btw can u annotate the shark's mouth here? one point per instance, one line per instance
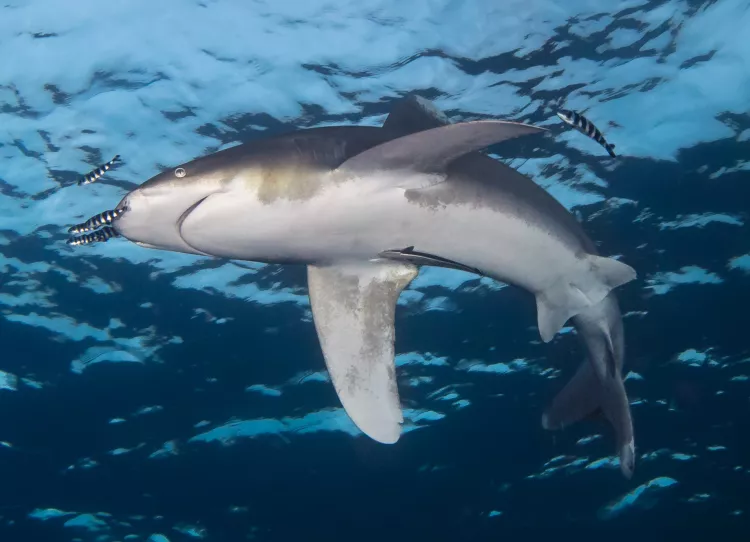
(100, 225)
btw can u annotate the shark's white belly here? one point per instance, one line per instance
(353, 222)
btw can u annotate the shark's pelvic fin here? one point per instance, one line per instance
(430, 151)
(583, 396)
(353, 308)
(565, 299)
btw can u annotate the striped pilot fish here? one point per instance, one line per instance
(96, 221)
(585, 126)
(99, 236)
(94, 175)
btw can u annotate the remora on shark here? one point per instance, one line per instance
(363, 208)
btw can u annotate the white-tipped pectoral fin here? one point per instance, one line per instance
(354, 308)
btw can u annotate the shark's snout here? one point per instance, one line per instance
(151, 216)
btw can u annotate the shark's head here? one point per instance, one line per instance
(151, 214)
(566, 116)
(287, 165)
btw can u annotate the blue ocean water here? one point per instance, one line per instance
(150, 395)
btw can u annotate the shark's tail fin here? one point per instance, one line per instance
(597, 386)
(585, 396)
(568, 297)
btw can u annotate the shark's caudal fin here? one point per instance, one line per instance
(353, 309)
(565, 299)
(430, 151)
(598, 385)
(583, 396)
(580, 397)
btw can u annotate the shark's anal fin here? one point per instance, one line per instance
(430, 151)
(410, 255)
(353, 307)
(583, 396)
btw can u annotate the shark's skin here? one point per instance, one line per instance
(598, 385)
(354, 204)
(258, 204)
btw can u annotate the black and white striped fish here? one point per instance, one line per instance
(96, 221)
(99, 236)
(585, 126)
(98, 172)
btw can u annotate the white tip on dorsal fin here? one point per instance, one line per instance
(430, 151)
(353, 309)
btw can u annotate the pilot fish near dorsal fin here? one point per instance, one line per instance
(430, 151)
(586, 127)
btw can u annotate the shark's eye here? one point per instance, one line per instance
(180, 172)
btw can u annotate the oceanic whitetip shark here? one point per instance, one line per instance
(363, 208)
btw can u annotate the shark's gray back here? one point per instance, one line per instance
(478, 177)
(514, 191)
(322, 149)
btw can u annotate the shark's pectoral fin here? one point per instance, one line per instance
(430, 151)
(583, 397)
(354, 309)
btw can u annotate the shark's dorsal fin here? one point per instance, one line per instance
(414, 114)
(353, 307)
(430, 151)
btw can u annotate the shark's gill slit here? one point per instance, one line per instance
(187, 212)
(97, 221)
(99, 236)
